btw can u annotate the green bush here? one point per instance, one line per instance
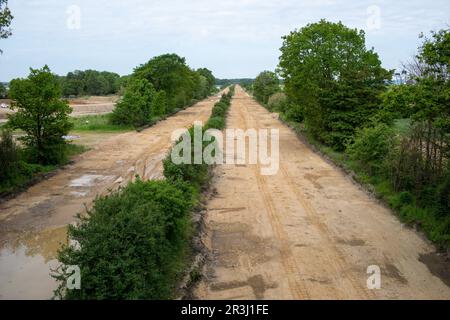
(136, 106)
(277, 102)
(9, 156)
(130, 244)
(15, 171)
(215, 123)
(370, 147)
(219, 110)
(265, 85)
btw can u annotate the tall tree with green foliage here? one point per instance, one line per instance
(265, 85)
(210, 81)
(90, 82)
(5, 20)
(334, 79)
(135, 108)
(169, 72)
(41, 114)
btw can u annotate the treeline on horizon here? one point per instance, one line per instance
(227, 82)
(394, 137)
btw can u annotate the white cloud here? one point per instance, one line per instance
(232, 37)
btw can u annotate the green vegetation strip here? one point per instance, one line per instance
(135, 242)
(430, 218)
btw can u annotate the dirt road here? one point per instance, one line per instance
(307, 232)
(33, 225)
(81, 107)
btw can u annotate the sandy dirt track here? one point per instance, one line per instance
(81, 107)
(33, 225)
(307, 232)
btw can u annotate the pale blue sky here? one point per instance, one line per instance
(233, 38)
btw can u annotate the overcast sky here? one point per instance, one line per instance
(233, 38)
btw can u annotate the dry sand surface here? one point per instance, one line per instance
(80, 106)
(33, 225)
(307, 232)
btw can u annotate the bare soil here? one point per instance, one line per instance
(307, 232)
(81, 106)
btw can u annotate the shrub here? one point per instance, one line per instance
(215, 123)
(9, 156)
(219, 109)
(265, 85)
(159, 104)
(136, 106)
(277, 102)
(370, 147)
(130, 244)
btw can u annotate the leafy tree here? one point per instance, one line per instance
(371, 146)
(210, 81)
(41, 114)
(90, 82)
(265, 85)
(334, 78)
(170, 73)
(159, 104)
(5, 20)
(397, 101)
(136, 106)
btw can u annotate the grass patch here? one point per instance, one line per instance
(100, 122)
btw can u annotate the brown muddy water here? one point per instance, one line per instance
(26, 264)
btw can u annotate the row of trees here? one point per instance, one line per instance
(155, 90)
(90, 82)
(160, 87)
(345, 99)
(244, 82)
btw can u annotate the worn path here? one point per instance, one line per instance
(307, 232)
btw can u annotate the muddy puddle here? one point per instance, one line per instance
(26, 264)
